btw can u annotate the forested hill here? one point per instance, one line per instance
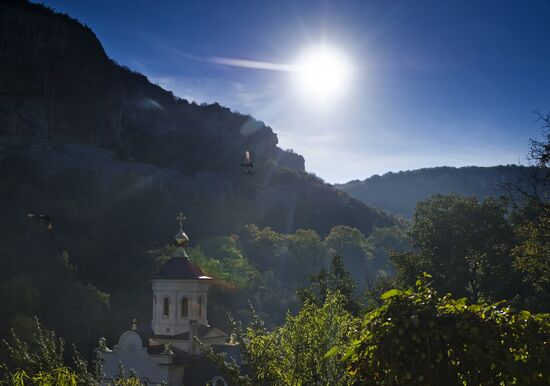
(400, 192)
(57, 82)
(112, 159)
(59, 90)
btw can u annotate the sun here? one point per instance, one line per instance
(322, 74)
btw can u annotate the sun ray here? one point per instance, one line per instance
(254, 64)
(321, 74)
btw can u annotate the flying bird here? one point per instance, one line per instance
(46, 219)
(248, 164)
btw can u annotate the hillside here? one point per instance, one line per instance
(59, 88)
(112, 158)
(400, 192)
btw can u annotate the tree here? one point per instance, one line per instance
(295, 353)
(264, 248)
(352, 246)
(539, 150)
(532, 224)
(534, 190)
(306, 253)
(221, 258)
(42, 357)
(382, 242)
(532, 255)
(335, 279)
(58, 377)
(420, 338)
(284, 262)
(19, 298)
(464, 243)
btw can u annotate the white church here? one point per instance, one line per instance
(166, 352)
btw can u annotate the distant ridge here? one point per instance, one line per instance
(399, 192)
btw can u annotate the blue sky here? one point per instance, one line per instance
(434, 82)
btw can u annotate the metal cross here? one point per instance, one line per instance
(180, 219)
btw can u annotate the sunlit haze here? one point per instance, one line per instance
(356, 87)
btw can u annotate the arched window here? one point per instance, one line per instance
(166, 307)
(200, 306)
(218, 381)
(184, 307)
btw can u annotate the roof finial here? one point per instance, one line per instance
(181, 238)
(180, 219)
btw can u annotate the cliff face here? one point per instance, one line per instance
(60, 93)
(51, 68)
(57, 82)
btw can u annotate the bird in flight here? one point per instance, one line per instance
(248, 164)
(46, 219)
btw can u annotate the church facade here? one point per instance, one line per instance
(166, 352)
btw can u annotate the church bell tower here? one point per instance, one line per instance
(180, 292)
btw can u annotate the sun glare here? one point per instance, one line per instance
(322, 74)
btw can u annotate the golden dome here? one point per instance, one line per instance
(181, 238)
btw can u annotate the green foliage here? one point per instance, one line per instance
(296, 353)
(52, 288)
(41, 360)
(464, 243)
(384, 241)
(336, 279)
(57, 377)
(352, 246)
(229, 368)
(265, 248)
(267, 267)
(19, 298)
(531, 220)
(420, 338)
(372, 296)
(64, 376)
(532, 258)
(124, 379)
(225, 262)
(105, 220)
(218, 257)
(306, 252)
(285, 262)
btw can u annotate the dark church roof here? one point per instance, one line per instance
(180, 268)
(146, 332)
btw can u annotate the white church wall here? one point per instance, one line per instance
(134, 357)
(175, 323)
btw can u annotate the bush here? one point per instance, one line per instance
(419, 338)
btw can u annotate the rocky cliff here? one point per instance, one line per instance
(60, 94)
(57, 82)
